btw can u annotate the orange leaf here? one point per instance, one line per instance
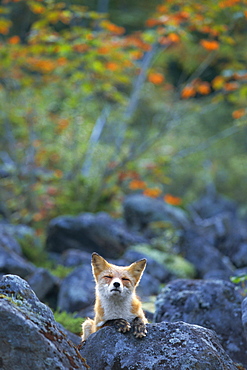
(137, 185)
(118, 30)
(180, 17)
(37, 8)
(210, 30)
(152, 192)
(80, 48)
(164, 40)
(162, 9)
(171, 199)
(210, 44)
(151, 22)
(104, 50)
(240, 76)
(228, 3)
(63, 123)
(5, 26)
(113, 27)
(173, 37)
(89, 37)
(44, 66)
(112, 66)
(136, 54)
(239, 113)
(156, 78)
(188, 92)
(62, 61)
(10, 1)
(204, 88)
(136, 42)
(231, 86)
(14, 40)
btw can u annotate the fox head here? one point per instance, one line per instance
(115, 280)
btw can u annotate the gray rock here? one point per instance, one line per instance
(244, 316)
(42, 282)
(212, 204)
(215, 305)
(90, 233)
(240, 257)
(74, 257)
(29, 335)
(149, 286)
(155, 269)
(217, 275)
(13, 263)
(216, 219)
(242, 284)
(75, 339)
(233, 241)
(77, 290)
(7, 241)
(170, 346)
(11, 258)
(204, 256)
(140, 211)
(22, 233)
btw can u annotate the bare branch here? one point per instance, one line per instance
(207, 143)
(135, 94)
(94, 138)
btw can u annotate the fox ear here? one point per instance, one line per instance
(98, 264)
(137, 268)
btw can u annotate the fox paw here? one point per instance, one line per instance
(120, 324)
(139, 328)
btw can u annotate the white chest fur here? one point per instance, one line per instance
(117, 306)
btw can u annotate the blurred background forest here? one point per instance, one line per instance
(102, 98)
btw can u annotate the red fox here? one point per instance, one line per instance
(116, 301)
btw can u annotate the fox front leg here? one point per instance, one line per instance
(120, 324)
(139, 328)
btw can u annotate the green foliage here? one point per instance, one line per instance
(34, 251)
(58, 270)
(241, 281)
(161, 249)
(162, 253)
(39, 257)
(87, 106)
(69, 321)
(150, 304)
(35, 254)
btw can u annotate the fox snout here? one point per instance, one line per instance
(116, 286)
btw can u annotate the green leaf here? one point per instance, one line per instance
(238, 279)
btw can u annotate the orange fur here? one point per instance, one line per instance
(116, 297)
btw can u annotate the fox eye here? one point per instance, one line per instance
(108, 277)
(125, 279)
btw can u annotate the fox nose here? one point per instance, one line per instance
(116, 284)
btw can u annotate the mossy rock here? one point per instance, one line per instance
(176, 264)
